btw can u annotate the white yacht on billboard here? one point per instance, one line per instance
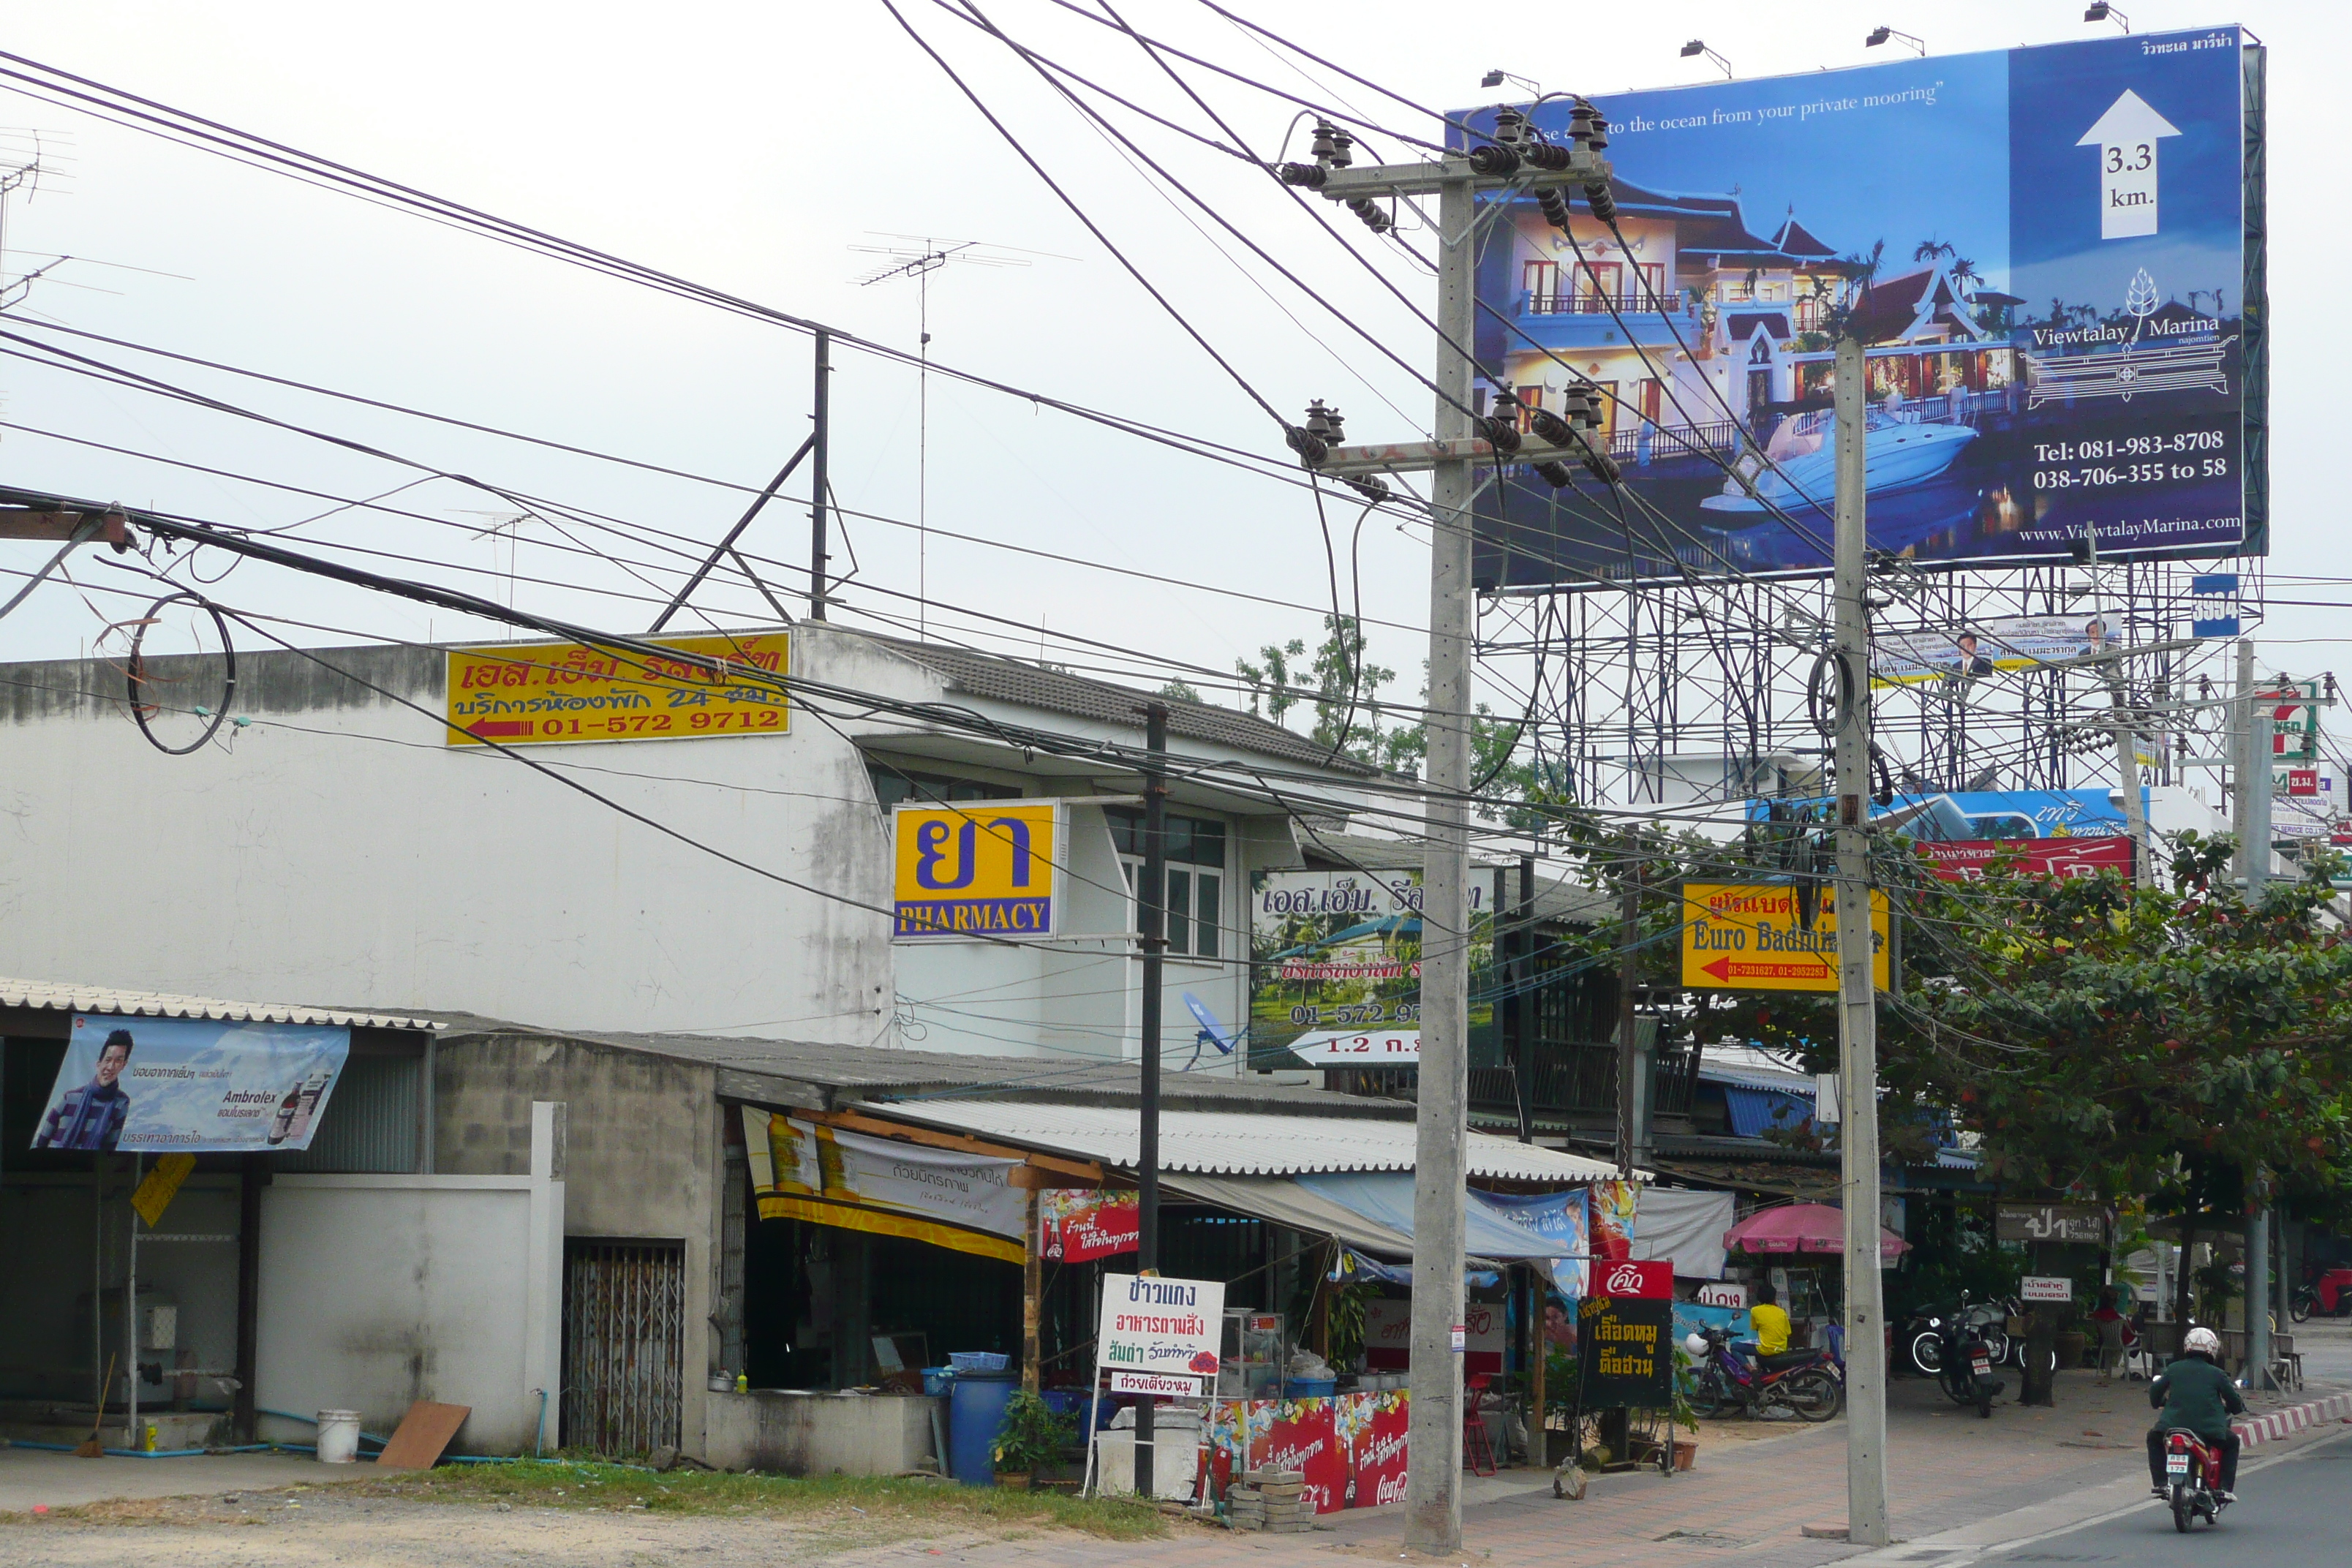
(1799, 464)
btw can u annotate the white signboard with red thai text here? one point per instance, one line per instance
(1165, 1328)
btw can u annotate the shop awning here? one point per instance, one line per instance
(1240, 1142)
(1371, 1212)
(1284, 1202)
(51, 997)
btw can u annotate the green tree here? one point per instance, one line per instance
(2117, 1040)
(1269, 680)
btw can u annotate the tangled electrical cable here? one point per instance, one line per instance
(136, 680)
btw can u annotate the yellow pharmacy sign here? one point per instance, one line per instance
(541, 694)
(1747, 937)
(976, 867)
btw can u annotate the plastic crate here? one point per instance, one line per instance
(977, 1361)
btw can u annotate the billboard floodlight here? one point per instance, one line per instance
(1497, 77)
(1697, 46)
(1880, 35)
(2100, 11)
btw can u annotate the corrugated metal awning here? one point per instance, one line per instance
(1238, 1144)
(46, 995)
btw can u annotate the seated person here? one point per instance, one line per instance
(2195, 1393)
(1770, 1322)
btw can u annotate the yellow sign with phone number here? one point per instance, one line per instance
(541, 694)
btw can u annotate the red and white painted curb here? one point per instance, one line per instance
(2295, 1418)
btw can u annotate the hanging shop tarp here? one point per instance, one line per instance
(1563, 1220)
(805, 1170)
(1533, 1230)
(1685, 1229)
(191, 1084)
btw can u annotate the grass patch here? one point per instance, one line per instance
(849, 1504)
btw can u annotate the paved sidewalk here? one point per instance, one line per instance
(35, 1477)
(1745, 1503)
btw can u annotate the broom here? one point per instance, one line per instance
(91, 1447)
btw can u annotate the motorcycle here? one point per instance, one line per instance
(1924, 1335)
(2329, 1292)
(1806, 1382)
(1967, 1362)
(2193, 1475)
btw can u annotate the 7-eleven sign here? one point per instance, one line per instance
(2294, 718)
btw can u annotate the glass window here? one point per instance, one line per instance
(1179, 909)
(1191, 840)
(1205, 913)
(893, 784)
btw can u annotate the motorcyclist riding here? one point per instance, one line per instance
(2195, 1394)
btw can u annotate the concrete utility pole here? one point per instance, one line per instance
(1434, 1481)
(1866, 1329)
(1633, 1095)
(1434, 1485)
(821, 444)
(2127, 769)
(2252, 812)
(1152, 922)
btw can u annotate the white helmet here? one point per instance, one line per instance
(2202, 1341)
(1696, 1343)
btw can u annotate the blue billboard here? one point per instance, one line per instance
(2044, 252)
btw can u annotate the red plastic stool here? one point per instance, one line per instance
(1477, 1453)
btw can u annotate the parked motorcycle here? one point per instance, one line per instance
(1967, 1363)
(2193, 1475)
(1806, 1382)
(2329, 1292)
(1924, 1335)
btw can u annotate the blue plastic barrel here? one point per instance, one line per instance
(975, 1412)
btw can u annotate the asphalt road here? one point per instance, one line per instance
(2290, 1513)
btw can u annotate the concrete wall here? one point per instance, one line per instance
(338, 851)
(643, 1157)
(378, 1290)
(821, 1434)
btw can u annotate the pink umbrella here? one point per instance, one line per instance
(1802, 1227)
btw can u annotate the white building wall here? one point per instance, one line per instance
(336, 851)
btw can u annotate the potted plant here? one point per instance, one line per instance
(1029, 1439)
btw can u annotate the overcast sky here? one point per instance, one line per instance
(755, 148)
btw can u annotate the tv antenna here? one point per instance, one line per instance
(918, 255)
(25, 159)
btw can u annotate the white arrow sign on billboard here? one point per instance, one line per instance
(2125, 136)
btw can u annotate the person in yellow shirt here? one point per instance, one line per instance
(1771, 1323)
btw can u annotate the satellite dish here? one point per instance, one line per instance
(1217, 1034)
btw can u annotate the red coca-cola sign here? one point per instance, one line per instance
(1652, 1281)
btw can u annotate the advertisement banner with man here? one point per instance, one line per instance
(2044, 253)
(807, 1170)
(191, 1084)
(1978, 648)
(1335, 967)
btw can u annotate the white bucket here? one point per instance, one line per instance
(338, 1437)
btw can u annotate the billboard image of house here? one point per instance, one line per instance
(2044, 252)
